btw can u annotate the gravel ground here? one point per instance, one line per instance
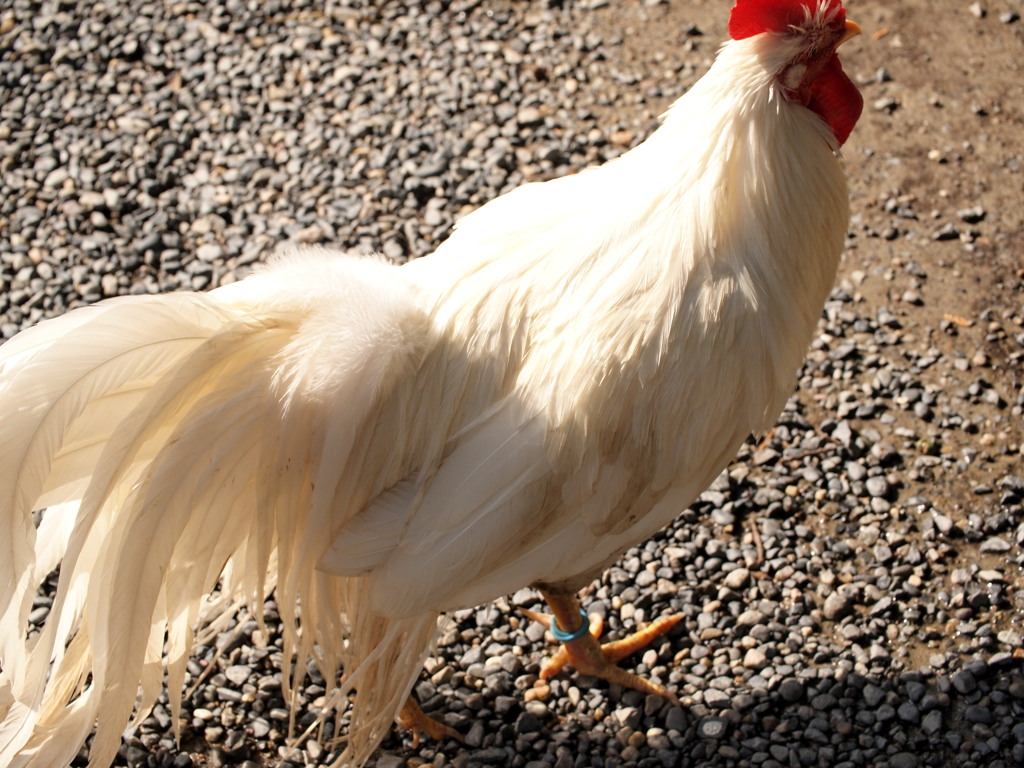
(876, 617)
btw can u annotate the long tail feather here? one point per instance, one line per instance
(193, 445)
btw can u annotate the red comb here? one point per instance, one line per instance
(752, 17)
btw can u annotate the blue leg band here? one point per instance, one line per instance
(565, 637)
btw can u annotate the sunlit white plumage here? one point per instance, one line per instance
(381, 444)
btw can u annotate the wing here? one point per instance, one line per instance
(423, 540)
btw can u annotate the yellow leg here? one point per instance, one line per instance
(589, 656)
(412, 718)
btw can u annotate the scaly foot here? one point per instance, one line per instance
(586, 654)
(412, 719)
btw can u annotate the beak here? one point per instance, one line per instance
(851, 30)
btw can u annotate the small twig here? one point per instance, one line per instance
(767, 439)
(808, 452)
(758, 544)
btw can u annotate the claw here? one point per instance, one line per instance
(414, 720)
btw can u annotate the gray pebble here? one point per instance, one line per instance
(527, 723)
(877, 486)
(675, 720)
(975, 713)
(904, 760)
(737, 578)
(840, 603)
(791, 690)
(873, 695)
(712, 728)
(716, 699)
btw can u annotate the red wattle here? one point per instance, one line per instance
(834, 96)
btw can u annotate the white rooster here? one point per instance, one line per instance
(382, 444)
